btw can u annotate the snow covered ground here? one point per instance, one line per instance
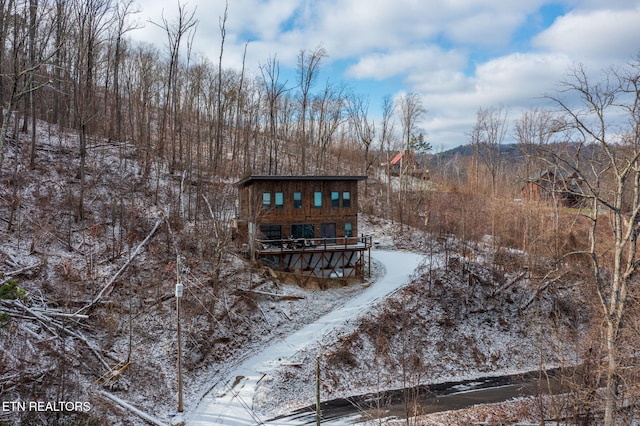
(262, 348)
(232, 403)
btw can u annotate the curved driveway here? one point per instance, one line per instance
(230, 401)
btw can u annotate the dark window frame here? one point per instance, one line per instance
(348, 233)
(271, 231)
(297, 203)
(303, 230)
(266, 200)
(281, 196)
(335, 199)
(346, 199)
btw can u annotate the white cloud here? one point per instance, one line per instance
(594, 36)
(517, 81)
(426, 46)
(520, 77)
(423, 61)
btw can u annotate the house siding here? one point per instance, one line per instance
(251, 208)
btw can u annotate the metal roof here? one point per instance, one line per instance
(250, 179)
(397, 158)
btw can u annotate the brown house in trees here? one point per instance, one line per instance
(305, 224)
(544, 185)
(406, 163)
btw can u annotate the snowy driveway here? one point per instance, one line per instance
(230, 402)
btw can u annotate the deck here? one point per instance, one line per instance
(338, 257)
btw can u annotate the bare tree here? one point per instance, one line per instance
(274, 89)
(308, 65)
(240, 106)
(175, 33)
(92, 19)
(327, 113)
(533, 129)
(604, 155)
(487, 137)
(363, 127)
(22, 80)
(33, 30)
(386, 145)
(122, 12)
(142, 83)
(60, 103)
(223, 33)
(411, 113)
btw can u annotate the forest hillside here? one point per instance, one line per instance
(117, 169)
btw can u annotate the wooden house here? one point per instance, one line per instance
(547, 184)
(302, 223)
(406, 163)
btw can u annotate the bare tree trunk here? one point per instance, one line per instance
(240, 121)
(218, 153)
(33, 12)
(609, 177)
(122, 12)
(308, 65)
(174, 33)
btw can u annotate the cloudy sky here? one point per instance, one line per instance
(459, 55)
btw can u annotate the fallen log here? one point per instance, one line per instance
(509, 284)
(52, 313)
(121, 270)
(9, 275)
(133, 409)
(48, 322)
(274, 295)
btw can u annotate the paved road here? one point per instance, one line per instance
(229, 402)
(435, 398)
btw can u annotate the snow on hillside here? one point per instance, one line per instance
(449, 321)
(458, 321)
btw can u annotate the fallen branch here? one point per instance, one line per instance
(114, 372)
(538, 292)
(509, 284)
(51, 313)
(9, 275)
(133, 409)
(49, 322)
(274, 295)
(12, 260)
(121, 270)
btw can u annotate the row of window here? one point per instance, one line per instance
(306, 231)
(337, 200)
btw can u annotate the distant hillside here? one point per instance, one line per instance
(510, 152)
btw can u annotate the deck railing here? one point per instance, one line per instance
(302, 244)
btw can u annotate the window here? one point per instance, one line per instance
(279, 200)
(335, 200)
(266, 200)
(306, 231)
(348, 230)
(297, 200)
(346, 199)
(271, 232)
(317, 199)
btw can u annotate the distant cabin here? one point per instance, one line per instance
(304, 224)
(545, 184)
(406, 163)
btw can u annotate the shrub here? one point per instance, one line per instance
(11, 291)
